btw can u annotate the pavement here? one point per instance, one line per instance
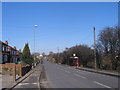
(111, 73)
(107, 72)
(7, 80)
(0, 81)
(59, 76)
(31, 80)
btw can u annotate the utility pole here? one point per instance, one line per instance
(95, 47)
(58, 54)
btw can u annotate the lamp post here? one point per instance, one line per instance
(95, 47)
(34, 43)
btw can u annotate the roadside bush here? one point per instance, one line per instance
(118, 66)
(118, 69)
(26, 55)
(90, 65)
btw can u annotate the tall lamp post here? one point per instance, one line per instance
(95, 47)
(34, 43)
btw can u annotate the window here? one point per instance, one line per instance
(6, 48)
(14, 60)
(5, 58)
(11, 52)
(3, 48)
(14, 52)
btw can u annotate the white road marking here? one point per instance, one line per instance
(33, 83)
(64, 70)
(38, 84)
(80, 76)
(20, 84)
(102, 84)
(80, 72)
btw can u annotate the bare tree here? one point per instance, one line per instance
(108, 46)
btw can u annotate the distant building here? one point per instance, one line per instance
(9, 54)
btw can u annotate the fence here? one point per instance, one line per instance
(15, 69)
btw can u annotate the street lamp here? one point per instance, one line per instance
(34, 43)
(35, 25)
(95, 48)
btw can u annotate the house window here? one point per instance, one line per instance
(14, 52)
(3, 48)
(5, 58)
(11, 51)
(6, 48)
(11, 60)
(14, 60)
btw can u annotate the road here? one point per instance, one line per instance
(60, 76)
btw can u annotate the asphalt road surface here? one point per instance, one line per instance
(60, 76)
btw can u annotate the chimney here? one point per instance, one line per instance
(20, 50)
(6, 42)
(15, 47)
(8, 48)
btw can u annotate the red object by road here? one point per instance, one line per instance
(74, 61)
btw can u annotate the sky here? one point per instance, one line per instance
(60, 0)
(60, 24)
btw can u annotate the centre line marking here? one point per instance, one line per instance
(80, 76)
(102, 84)
(65, 70)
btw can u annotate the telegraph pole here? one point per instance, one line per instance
(58, 54)
(95, 47)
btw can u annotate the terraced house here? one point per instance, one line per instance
(9, 54)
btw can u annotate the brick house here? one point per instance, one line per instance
(9, 54)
